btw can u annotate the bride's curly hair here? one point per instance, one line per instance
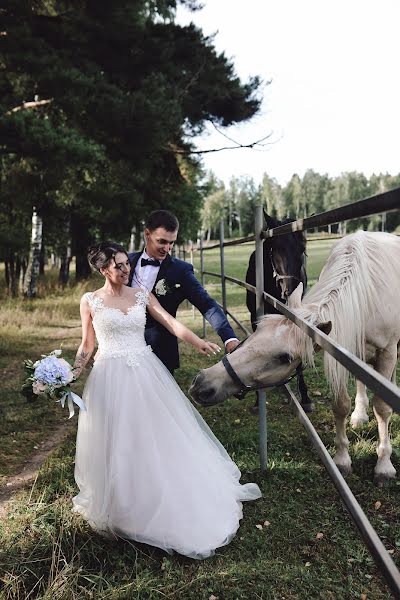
(100, 255)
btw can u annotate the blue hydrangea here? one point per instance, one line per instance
(51, 371)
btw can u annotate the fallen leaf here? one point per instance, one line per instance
(317, 393)
(377, 505)
(36, 447)
(363, 597)
(266, 523)
(259, 526)
(307, 564)
(391, 551)
(212, 597)
(236, 421)
(298, 490)
(319, 536)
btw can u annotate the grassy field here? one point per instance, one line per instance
(297, 542)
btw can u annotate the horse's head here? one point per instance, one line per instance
(287, 256)
(267, 358)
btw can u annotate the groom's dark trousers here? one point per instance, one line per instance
(181, 284)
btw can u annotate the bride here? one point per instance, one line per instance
(147, 466)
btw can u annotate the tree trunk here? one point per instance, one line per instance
(24, 267)
(66, 253)
(11, 280)
(81, 240)
(82, 267)
(32, 273)
(42, 259)
(132, 241)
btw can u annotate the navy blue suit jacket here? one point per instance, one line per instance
(175, 271)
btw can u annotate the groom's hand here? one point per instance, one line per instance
(232, 345)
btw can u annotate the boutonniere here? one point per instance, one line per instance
(163, 287)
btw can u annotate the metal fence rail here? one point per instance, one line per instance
(387, 201)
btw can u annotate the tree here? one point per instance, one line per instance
(214, 206)
(294, 198)
(100, 97)
(272, 197)
(249, 196)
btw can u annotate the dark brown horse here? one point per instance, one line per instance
(284, 269)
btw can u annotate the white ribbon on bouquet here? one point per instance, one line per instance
(71, 397)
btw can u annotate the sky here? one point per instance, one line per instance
(333, 104)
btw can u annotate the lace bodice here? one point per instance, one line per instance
(120, 334)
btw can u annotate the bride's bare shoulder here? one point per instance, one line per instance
(93, 294)
(131, 292)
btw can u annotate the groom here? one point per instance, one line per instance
(172, 280)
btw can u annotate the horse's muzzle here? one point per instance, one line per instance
(202, 391)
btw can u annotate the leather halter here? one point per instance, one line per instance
(244, 389)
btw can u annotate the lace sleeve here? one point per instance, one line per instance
(142, 297)
(93, 301)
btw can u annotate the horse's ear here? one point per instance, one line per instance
(325, 328)
(270, 221)
(294, 300)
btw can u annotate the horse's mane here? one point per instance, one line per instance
(347, 295)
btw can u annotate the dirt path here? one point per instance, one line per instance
(29, 473)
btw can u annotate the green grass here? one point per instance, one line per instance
(236, 259)
(48, 552)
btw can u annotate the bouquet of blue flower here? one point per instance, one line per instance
(51, 376)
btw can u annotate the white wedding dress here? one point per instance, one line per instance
(147, 466)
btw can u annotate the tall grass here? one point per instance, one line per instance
(297, 542)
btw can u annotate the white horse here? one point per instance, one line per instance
(356, 300)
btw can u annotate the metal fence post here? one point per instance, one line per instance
(202, 276)
(262, 409)
(192, 263)
(222, 263)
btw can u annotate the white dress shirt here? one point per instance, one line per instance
(144, 277)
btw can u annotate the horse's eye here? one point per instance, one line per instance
(283, 358)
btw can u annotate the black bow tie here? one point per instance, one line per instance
(152, 262)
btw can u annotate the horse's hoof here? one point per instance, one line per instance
(344, 468)
(381, 480)
(308, 408)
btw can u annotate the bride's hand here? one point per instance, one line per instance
(208, 348)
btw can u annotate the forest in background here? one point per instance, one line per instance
(300, 198)
(99, 105)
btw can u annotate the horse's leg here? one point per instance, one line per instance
(306, 401)
(384, 470)
(359, 415)
(341, 409)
